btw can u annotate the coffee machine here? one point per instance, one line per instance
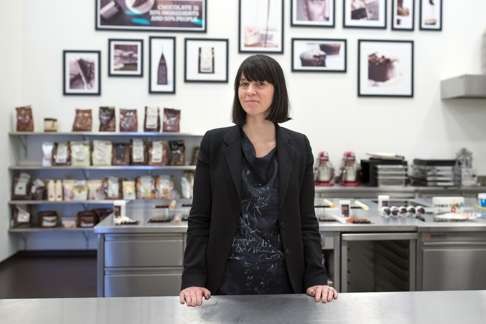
(324, 170)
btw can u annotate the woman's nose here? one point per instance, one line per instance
(251, 88)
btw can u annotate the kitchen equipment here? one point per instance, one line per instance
(433, 173)
(349, 170)
(464, 168)
(324, 170)
(383, 171)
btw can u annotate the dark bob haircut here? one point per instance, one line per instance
(263, 68)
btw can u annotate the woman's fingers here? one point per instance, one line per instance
(206, 293)
(318, 294)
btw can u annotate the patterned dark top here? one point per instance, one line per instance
(256, 264)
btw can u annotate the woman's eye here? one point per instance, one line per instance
(260, 84)
(244, 84)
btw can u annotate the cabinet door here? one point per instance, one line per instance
(142, 282)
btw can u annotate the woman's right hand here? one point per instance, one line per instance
(193, 296)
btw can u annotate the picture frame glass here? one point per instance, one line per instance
(261, 26)
(319, 55)
(82, 72)
(126, 57)
(431, 14)
(313, 13)
(206, 60)
(403, 14)
(162, 65)
(386, 68)
(365, 13)
(151, 15)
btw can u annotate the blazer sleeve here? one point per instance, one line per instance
(315, 272)
(195, 267)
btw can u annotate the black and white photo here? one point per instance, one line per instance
(81, 72)
(205, 60)
(261, 28)
(385, 68)
(319, 55)
(431, 15)
(162, 65)
(313, 13)
(125, 57)
(365, 14)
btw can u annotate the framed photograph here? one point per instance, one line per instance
(319, 55)
(125, 57)
(162, 65)
(403, 15)
(206, 60)
(81, 73)
(385, 68)
(151, 15)
(430, 15)
(260, 26)
(312, 13)
(364, 14)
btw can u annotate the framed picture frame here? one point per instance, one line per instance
(371, 14)
(206, 60)
(260, 26)
(385, 68)
(151, 15)
(162, 65)
(403, 15)
(431, 15)
(125, 57)
(319, 55)
(313, 13)
(81, 73)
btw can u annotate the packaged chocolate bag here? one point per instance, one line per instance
(50, 125)
(172, 119)
(96, 190)
(83, 121)
(38, 190)
(107, 119)
(21, 187)
(129, 191)
(49, 218)
(121, 154)
(158, 153)
(61, 154)
(22, 216)
(177, 152)
(128, 120)
(86, 219)
(152, 119)
(80, 153)
(101, 154)
(25, 119)
(139, 152)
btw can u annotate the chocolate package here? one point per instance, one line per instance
(96, 190)
(80, 153)
(86, 219)
(80, 190)
(49, 219)
(187, 185)
(61, 154)
(139, 152)
(145, 187)
(107, 119)
(47, 149)
(38, 191)
(121, 154)
(101, 154)
(22, 216)
(172, 119)
(21, 187)
(25, 119)
(128, 120)
(50, 125)
(129, 189)
(164, 187)
(177, 152)
(158, 153)
(83, 120)
(152, 119)
(112, 188)
(67, 189)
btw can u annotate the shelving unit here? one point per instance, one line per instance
(28, 158)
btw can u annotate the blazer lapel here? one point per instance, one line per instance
(285, 158)
(232, 154)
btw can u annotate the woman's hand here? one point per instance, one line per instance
(322, 293)
(193, 296)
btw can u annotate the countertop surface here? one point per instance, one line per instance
(465, 307)
(378, 223)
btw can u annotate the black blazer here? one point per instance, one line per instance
(215, 212)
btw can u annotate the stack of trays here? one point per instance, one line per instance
(391, 175)
(434, 173)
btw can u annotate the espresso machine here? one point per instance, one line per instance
(324, 170)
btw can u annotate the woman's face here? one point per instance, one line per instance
(255, 96)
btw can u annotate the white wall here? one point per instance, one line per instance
(10, 95)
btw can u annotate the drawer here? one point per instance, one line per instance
(133, 283)
(144, 250)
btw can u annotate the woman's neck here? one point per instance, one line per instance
(259, 129)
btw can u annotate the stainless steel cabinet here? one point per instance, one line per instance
(452, 261)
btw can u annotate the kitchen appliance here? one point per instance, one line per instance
(349, 170)
(384, 172)
(324, 170)
(464, 168)
(433, 173)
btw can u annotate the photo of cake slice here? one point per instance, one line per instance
(330, 48)
(313, 57)
(380, 68)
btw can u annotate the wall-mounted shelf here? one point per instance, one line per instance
(54, 229)
(105, 134)
(472, 86)
(63, 202)
(107, 168)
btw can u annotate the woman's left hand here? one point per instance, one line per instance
(322, 293)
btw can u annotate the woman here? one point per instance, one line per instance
(252, 227)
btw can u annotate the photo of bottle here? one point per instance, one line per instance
(162, 71)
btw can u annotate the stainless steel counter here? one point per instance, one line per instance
(465, 307)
